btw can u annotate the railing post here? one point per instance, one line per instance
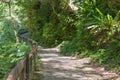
(27, 67)
(35, 56)
(24, 74)
(22, 70)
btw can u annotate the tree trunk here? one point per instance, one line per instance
(13, 24)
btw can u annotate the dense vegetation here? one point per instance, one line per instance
(98, 30)
(93, 30)
(49, 21)
(10, 50)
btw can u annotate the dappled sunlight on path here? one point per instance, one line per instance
(58, 67)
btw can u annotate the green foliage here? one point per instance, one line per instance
(10, 54)
(98, 30)
(10, 51)
(93, 30)
(50, 20)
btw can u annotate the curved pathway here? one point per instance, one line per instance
(58, 67)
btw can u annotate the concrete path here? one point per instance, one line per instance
(58, 67)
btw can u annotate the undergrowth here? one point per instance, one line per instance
(97, 34)
(10, 51)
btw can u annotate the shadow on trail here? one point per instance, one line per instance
(57, 67)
